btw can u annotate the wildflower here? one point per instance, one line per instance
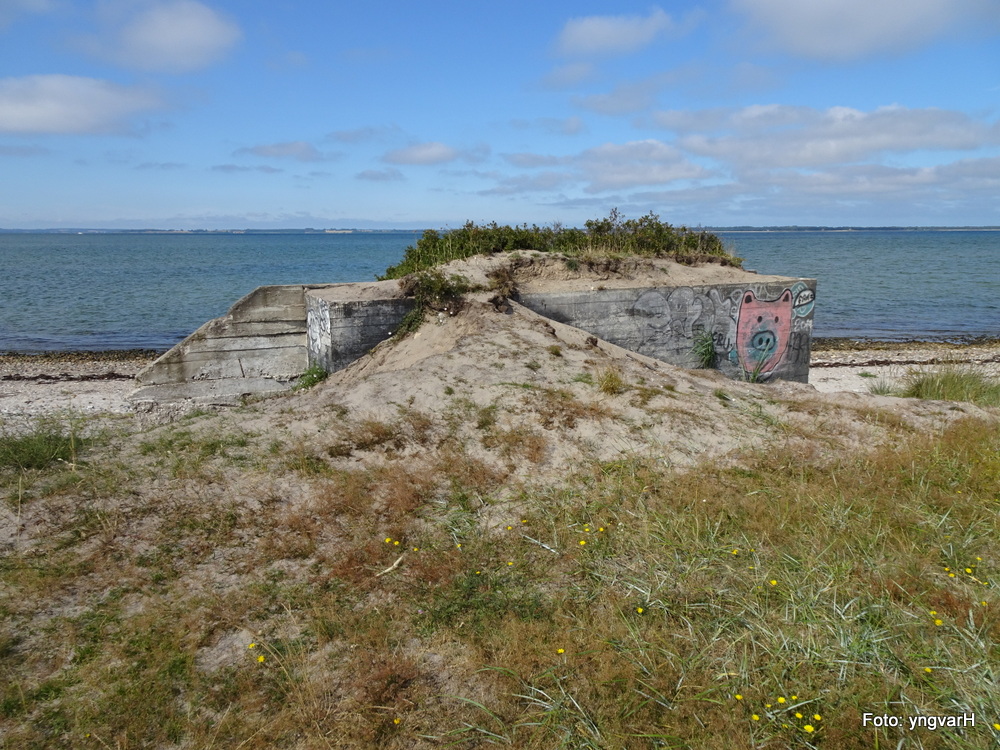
(396, 542)
(767, 705)
(809, 728)
(560, 651)
(640, 610)
(798, 715)
(388, 539)
(396, 720)
(781, 700)
(983, 603)
(928, 670)
(586, 528)
(478, 572)
(601, 528)
(933, 613)
(968, 570)
(524, 520)
(755, 717)
(583, 542)
(739, 697)
(736, 552)
(416, 549)
(252, 645)
(260, 659)
(773, 582)
(509, 528)
(510, 563)
(795, 697)
(939, 622)
(996, 726)
(817, 717)
(458, 544)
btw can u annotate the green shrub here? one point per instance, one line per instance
(613, 236)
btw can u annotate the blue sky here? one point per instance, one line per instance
(224, 114)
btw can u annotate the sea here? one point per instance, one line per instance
(108, 291)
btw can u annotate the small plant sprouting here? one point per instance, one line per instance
(611, 381)
(704, 350)
(315, 374)
(533, 365)
(555, 350)
(431, 290)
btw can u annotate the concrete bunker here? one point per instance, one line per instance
(759, 327)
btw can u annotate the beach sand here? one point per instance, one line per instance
(91, 383)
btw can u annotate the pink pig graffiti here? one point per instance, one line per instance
(762, 331)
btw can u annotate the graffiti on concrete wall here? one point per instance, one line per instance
(755, 330)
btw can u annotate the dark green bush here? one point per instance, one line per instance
(613, 236)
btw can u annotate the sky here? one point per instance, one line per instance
(233, 114)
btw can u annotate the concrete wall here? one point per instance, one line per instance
(341, 330)
(764, 329)
(258, 347)
(272, 335)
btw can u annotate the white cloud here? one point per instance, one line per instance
(235, 168)
(173, 36)
(11, 9)
(422, 153)
(70, 104)
(611, 35)
(615, 166)
(533, 161)
(626, 98)
(568, 76)
(297, 150)
(381, 175)
(781, 136)
(850, 29)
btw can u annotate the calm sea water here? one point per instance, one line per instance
(121, 291)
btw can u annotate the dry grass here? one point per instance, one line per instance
(417, 598)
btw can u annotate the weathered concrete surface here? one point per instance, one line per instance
(760, 327)
(258, 347)
(760, 331)
(344, 321)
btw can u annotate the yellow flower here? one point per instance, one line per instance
(601, 528)
(640, 610)
(773, 582)
(951, 575)
(755, 717)
(396, 720)
(560, 651)
(583, 542)
(260, 659)
(798, 715)
(809, 728)
(781, 700)
(509, 528)
(478, 572)
(416, 549)
(939, 622)
(817, 717)
(996, 726)
(795, 697)
(928, 670)
(388, 539)
(396, 542)
(510, 563)
(933, 612)
(739, 697)
(524, 520)
(252, 645)
(983, 603)
(586, 528)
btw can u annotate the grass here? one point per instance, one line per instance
(48, 442)
(953, 383)
(423, 599)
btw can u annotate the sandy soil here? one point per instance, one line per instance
(91, 383)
